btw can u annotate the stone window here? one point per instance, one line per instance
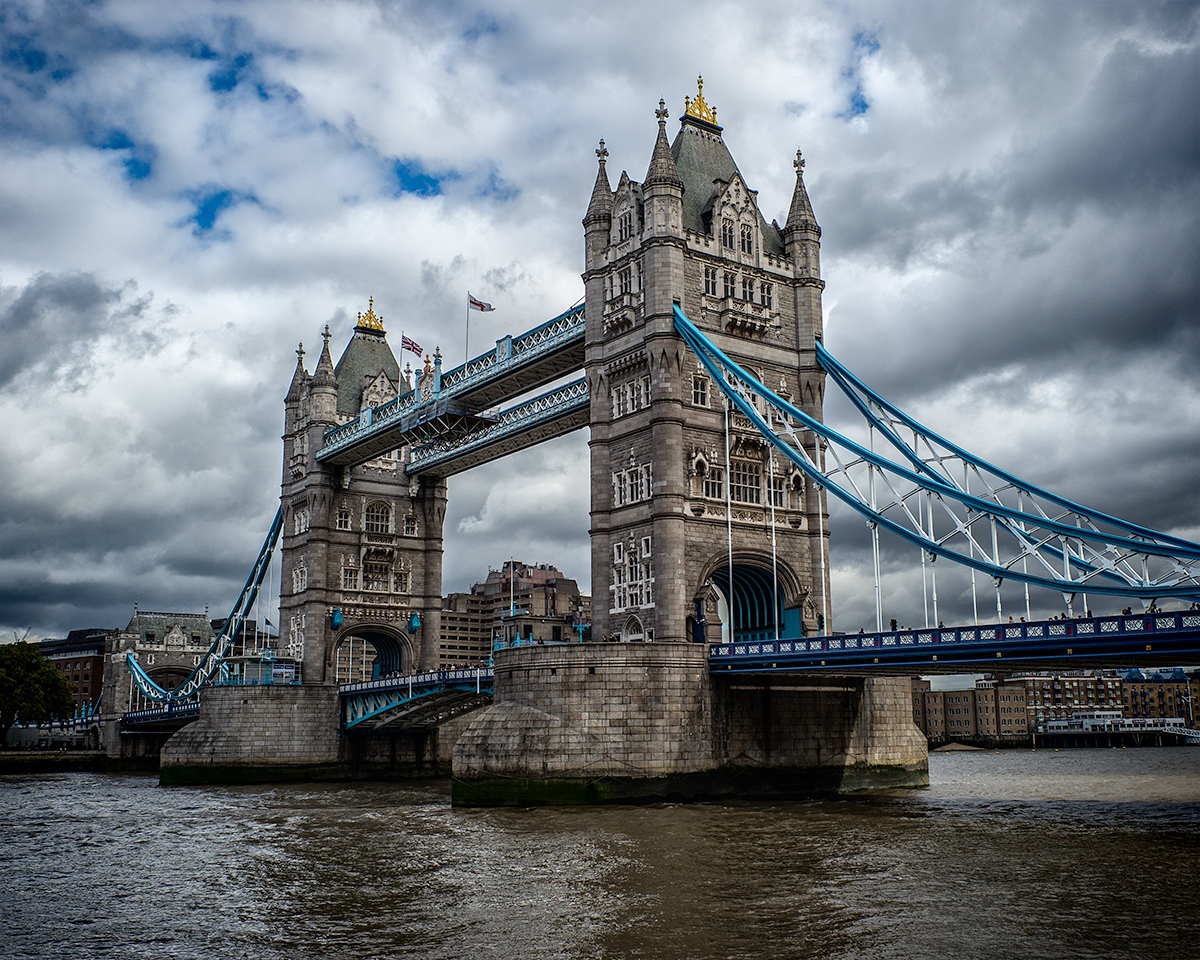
(730, 284)
(349, 579)
(710, 281)
(377, 576)
(299, 578)
(766, 292)
(401, 581)
(300, 520)
(727, 233)
(410, 526)
(745, 481)
(625, 278)
(632, 485)
(748, 289)
(632, 582)
(378, 518)
(343, 518)
(700, 391)
(625, 226)
(747, 238)
(630, 397)
(778, 495)
(714, 483)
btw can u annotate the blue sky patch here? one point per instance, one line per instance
(865, 44)
(226, 79)
(140, 162)
(411, 177)
(209, 205)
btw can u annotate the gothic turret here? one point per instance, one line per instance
(324, 386)
(801, 235)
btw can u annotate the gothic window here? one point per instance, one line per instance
(401, 581)
(349, 579)
(778, 498)
(747, 289)
(710, 281)
(626, 280)
(625, 225)
(714, 483)
(410, 526)
(377, 576)
(730, 284)
(644, 392)
(299, 578)
(378, 518)
(727, 233)
(300, 520)
(766, 294)
(747, 238)
(618, 401)
(343, 518)
(745, 481)
(700, 391)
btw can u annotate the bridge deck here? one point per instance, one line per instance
(1152, 640)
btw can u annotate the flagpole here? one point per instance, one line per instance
(467, 337)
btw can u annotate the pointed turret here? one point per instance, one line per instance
(662, 162)
(299, 378)
(800, 214)
(324, 385)
(600, 207)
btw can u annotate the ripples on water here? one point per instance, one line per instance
(1080, 853)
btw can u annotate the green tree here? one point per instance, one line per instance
(30, 688)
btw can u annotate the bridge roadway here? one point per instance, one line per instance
(458, 408)
(1146, 640)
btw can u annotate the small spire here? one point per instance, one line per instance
(600, 207)
(299, 377)
(323, 375)
(800, 214)
(662, 163)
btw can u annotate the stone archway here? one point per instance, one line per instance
(760, 599)
(385, 649)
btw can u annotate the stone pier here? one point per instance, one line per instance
(628, 722)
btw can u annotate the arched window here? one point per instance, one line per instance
(378, 518)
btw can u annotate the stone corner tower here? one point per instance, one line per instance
(672, 503)
(361, 545)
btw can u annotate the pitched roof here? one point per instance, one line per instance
(701, 158)
(365, 357)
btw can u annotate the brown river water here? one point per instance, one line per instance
(1017, 854)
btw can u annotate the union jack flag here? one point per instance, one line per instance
(407, 343)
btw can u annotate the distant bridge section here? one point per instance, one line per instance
(419, 701)
(1152, 639)
(459, 404)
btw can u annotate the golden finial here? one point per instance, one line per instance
(698, 108)
(368, 320)
(428, 365)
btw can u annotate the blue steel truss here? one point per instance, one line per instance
(517, 365)
(1085, 642)
(988, 519)
(210, 664)
(552, 414)
(421, 700)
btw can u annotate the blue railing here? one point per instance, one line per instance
(754, 644)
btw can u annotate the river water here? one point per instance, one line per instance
(1017, 854)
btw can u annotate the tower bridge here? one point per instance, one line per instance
(699, 342)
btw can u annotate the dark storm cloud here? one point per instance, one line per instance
(50, 327)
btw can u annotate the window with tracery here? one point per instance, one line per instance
(700, 391)
(714, 483)
(747, 238)
(299, 578)
(378, 518)
(747, 289)
(727, 233)
(343, 518)
(625, 226)
(410, 526)
(745, 481)
(377, 576)
(766, 294)
(710, 281)
(730, 284)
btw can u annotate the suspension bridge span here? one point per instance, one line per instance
(696, 361)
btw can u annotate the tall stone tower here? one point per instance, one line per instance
(676, 506)
(362, 546)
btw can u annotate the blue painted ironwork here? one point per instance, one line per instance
(421, 700)
(1143, 639)
(566, 405)
(511, 355)
(210, 664)
(170, 711)
(1001, 526)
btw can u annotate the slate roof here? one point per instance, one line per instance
(702, 157)
(365, 356)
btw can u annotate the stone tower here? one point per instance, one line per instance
(670, 501)
(361, 546)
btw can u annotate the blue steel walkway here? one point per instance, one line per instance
(1152, 639)
(421, 700)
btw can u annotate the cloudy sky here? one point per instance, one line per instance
(1008, 193)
